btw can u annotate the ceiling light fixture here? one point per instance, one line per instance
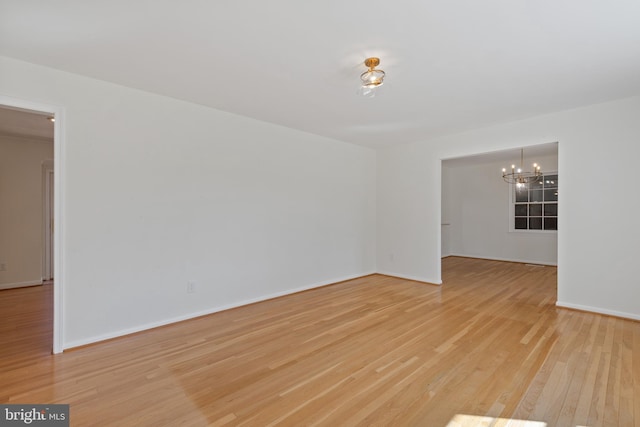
(518, 176)
(372, 78)
(51, 119)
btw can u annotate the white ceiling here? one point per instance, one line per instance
(451, 65)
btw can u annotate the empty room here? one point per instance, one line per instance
(414, 213)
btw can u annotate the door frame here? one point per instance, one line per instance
(58, 207)
(48, 219)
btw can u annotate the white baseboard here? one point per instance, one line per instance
(599, 310)
(140, 328)
(414, 278)
(20, 284)
(523, 261)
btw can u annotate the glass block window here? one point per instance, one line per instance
(534, 206)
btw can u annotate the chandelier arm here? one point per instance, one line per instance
(521, 178)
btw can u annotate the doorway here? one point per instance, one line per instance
(478, 208)
(38, 118)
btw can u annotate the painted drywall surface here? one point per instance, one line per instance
(21, 209)
(476, 207)
(161, 192)
(403, 240)
(597, 154)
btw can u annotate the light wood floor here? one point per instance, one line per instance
(372, 351)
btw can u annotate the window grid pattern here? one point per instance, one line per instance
(535, 205)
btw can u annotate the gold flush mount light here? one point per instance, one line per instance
(372, 78)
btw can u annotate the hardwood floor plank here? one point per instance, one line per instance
(626, 378)
(489, 346)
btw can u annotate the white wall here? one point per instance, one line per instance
(21, 209)
(597, 240)
(160, 192)
(476, 205)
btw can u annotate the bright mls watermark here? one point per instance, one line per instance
(34, 415)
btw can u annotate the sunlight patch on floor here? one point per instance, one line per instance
(462, 420)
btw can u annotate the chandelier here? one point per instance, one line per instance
(372, 78)
(519, 176)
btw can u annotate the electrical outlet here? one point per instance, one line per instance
(3, 266)
(191, 287)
